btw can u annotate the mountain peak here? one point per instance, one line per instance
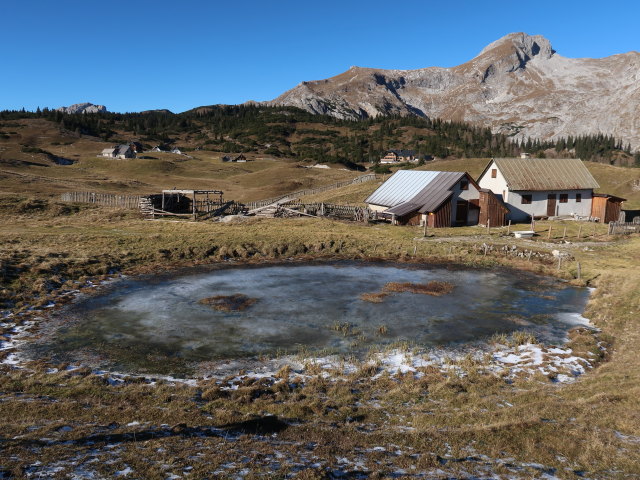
(517, 85)
(85, 107)
(528, 45)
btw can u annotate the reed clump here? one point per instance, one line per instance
(435, 288)
(377, 297)
(237, 302)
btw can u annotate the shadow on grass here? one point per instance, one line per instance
(266, 425)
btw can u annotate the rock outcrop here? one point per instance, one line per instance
(83, 108)
(517, 85)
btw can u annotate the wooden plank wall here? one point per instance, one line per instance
(491, 210)
(441, 218)
(606, 209)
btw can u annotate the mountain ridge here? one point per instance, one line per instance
(518, 85)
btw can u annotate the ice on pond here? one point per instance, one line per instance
(154, 320)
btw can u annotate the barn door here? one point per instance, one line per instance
(462, 211)
(551, 205)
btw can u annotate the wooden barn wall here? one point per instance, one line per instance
(606, 209)
(410, 219)
(491, 210)
(613, 211)
(598, 207)
(441, 218)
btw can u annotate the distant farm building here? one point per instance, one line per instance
(119, 151)
(441, 199)
(398, 156)
(540, 187)
(136, 147)
(240, 158)
(176, 150)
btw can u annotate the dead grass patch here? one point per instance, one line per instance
(237, 302)
(435, 288)
(377, 297)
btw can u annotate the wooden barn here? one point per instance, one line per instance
(441, 199)
(606, 208)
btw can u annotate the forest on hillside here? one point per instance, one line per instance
(294, 133)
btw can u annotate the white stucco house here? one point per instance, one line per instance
(119, 151)
(540, 187)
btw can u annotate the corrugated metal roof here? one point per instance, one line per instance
(545, 174)
(403, 209)
(401, 187)
(415, 191)
(438, 191)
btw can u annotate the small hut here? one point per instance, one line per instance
(606, 208)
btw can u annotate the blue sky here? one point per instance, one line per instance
(141, 54)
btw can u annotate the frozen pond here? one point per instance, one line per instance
(157, 325)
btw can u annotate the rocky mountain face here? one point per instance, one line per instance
(517, 85)
(83, 108)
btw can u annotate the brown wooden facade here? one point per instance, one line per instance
(606, 208)
(441, 218)
(492, 210)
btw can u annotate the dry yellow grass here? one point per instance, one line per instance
(229, 303)
(377, 297)
(434, 288)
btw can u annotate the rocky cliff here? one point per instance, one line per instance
(83, 108)
(517, 85)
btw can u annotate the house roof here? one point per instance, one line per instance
(402, 153)
(108, 150)
(400, 187)
(409, 190)
(612, 197)
(121, 149)
(536, 174)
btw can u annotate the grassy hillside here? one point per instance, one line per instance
(34, 153)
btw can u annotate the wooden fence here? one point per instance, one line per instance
(311, 191)
(624, 228)
(105, 199)
(348, 212)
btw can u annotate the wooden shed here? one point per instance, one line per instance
(606, 208)
(493, 211)
(441, 199)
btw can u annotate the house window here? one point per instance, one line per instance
(464, 185)
(526, 199)
(578, 197)
(564, 197)
(494, 172)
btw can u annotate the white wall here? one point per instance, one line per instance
(538, 205)
(377, 208)
(497, 185)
